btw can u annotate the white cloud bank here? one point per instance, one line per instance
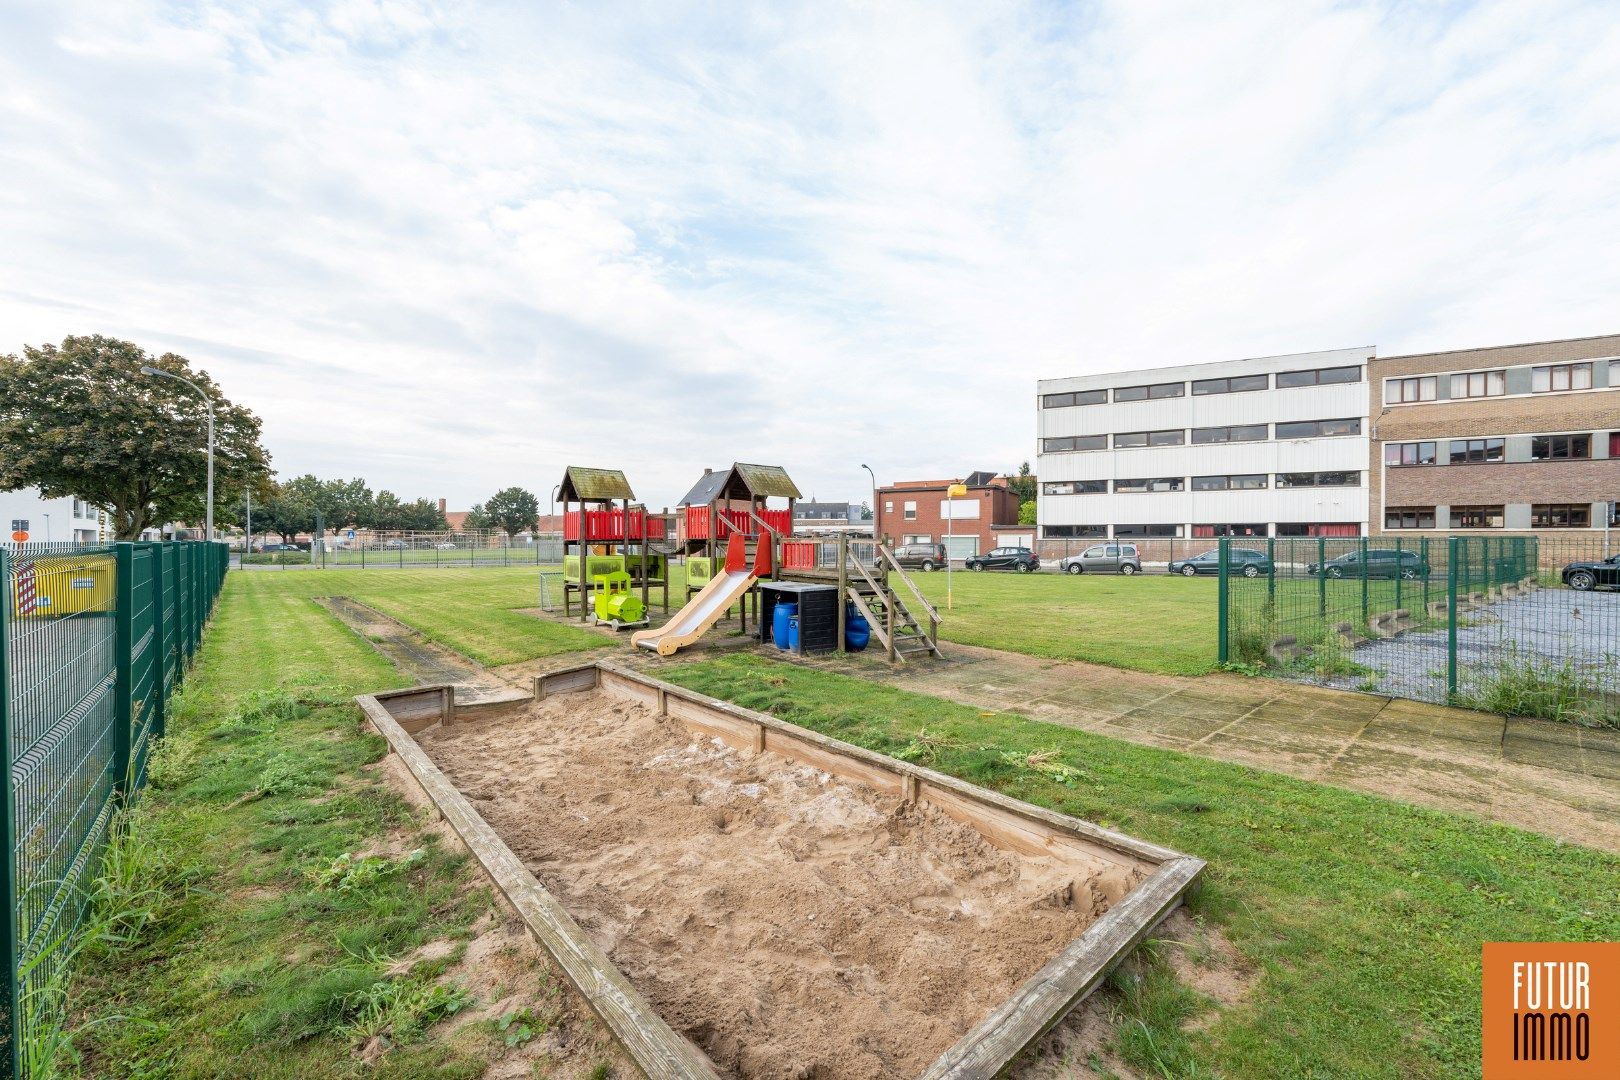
(451, 247)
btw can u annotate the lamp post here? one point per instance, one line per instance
(47, 528)
(209, 402)
(873, 475)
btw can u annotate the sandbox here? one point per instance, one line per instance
(738, 896)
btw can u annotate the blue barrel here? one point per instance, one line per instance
(779, 623)
(793, 634)
(857, 632)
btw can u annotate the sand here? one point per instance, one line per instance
(789, 923)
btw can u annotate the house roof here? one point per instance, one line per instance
(581, 484)
(707, 489)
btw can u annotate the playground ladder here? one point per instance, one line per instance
(890, 616)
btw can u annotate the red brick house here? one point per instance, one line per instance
(916, 511)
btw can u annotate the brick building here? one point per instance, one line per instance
(914, 512)
(1508, 440)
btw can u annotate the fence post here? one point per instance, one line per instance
(1224, 603)
(1271, 570)
(1428, 571)
(8, 830)
(1321, 576)
(1451, 616)
(123, 662)
(1400, 572)
(160, 631)
(1366, 574)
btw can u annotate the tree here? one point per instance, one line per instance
(1026, 513)
(476, 518)
(79, 419)
(514, 510)
(340, 503)
(1022, 485)
(285, 513)
(387, 513)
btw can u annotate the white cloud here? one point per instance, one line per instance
(451, 247)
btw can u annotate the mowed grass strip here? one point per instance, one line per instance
(1364, 916)
(260, 908)
(474, 611)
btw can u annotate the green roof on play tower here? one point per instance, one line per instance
(580, 484)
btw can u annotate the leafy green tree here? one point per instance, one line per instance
(79, 419)
(1026, 513)
(477, 518)
(284, 512)
(513, 509)
(1023, 486)
(422, 515)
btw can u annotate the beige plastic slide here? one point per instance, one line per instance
(694, 620)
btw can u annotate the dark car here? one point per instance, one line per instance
(923, 557)
(1104, 558)
(281, 547)
(1020, 559)
(1239, 561)
(1381, 563)
(1595, 574)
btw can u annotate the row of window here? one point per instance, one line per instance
(1227, 482)
(1235, 384)
(1133, 440)
(1546, 379)
(1477, 451)
(1283, 528)
(1542, 516)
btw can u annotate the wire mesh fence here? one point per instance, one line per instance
(92, 641)
(1516, 625)
(410, 550)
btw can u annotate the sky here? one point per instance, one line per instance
(454, 247)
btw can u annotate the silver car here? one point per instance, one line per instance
(1104, 559)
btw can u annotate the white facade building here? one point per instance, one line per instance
(1275, 446)
(51, 520)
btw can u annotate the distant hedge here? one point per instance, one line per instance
(277, 558)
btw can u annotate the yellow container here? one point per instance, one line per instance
(57, 585)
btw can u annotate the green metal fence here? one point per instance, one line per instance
(93, 640)
(1507, 624)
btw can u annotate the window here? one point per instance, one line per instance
(1078, 397)
(1146, 530)
(1318, 528)
(1230, 530)
(1475, 451)
(1561, 377)
(1239, 433)
(1409, 453)
(1476, 517)
(1405, 391)
(1152, 483)
(1310, 429)
(911, 511)
(1143, 393)
(1132, 439)
(1318, 479)
(1560, 447)
(1237, 482)
(1561, 516)
(1409, 517)
(1237, 384)
(1479, 384)
(1614, 444)
(1074, 442)
(1318, 376)
(1074, 532)
(888, 507)
(1075, 487)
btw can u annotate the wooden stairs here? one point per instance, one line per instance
(894, 619)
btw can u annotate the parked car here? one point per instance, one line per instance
(446, 546)
(395, 544)
(1594, 574)
(924, 557)
(1381, 563)
(1020, 559)
(1240, 561)
(281, 547)
(1103, 559)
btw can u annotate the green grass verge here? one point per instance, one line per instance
(249, 918)
(1364, 916)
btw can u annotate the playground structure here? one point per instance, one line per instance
(611, 545)
(728, 509)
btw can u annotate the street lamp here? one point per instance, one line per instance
(873, 475)
(209, 402)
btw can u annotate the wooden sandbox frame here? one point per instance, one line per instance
(985, 1050)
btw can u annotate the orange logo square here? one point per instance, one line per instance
(1551, 1009)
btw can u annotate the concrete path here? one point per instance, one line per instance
(1556, 779)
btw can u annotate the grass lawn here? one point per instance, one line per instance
(1364, 916)
(259, 913)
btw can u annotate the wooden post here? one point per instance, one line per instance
(888, 617)
(584, 562)
(843, 584)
